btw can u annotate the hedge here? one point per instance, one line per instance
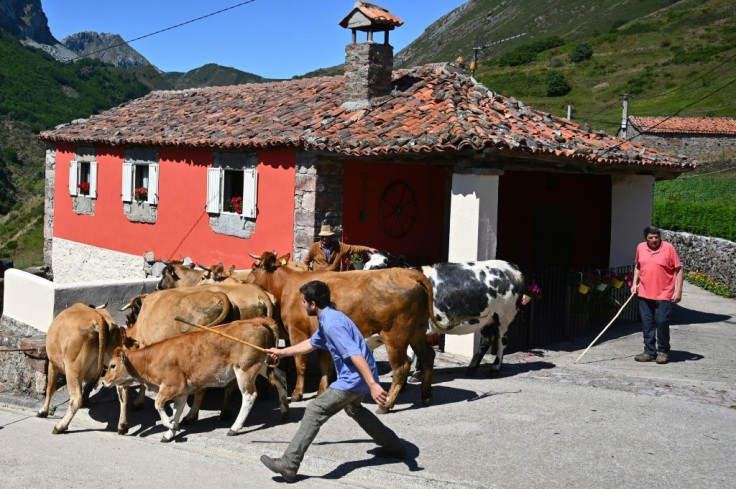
(717, 219)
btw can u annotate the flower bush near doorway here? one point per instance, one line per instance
(141, 194)
(533, 294)
(83, 188)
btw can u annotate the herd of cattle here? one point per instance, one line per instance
(161, 349)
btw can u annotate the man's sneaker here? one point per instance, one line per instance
(644, 357)
(276, 465)
(399, 452)
(662, 357)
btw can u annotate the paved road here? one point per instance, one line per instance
(607, 422)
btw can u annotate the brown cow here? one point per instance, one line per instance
(182, 364)
(206, 305)
(392, 303)
(79, 343)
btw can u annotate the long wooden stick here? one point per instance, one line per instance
(604, 329)
(181, 319)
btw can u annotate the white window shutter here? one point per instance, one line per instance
(73, 175)
(93, 179)
(153, 183)
(214, 177)
(250, 192)
(127, 182)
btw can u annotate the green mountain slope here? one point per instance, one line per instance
(211, 75)
(678, 60)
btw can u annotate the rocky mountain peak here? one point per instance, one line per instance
(109, 48)
(25, 20)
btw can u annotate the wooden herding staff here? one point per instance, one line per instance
(604, 329)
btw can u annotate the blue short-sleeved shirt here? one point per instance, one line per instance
(339, 335)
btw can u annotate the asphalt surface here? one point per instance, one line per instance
(606, 422)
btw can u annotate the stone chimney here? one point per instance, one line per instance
(368, 65)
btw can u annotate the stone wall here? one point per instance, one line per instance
(713, 256)
(22, 373)
(697, 147)
(317, 198)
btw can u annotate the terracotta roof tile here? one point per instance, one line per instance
(685, 125)
(431, 110)
(376, 14)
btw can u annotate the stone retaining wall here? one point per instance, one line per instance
(713, 256)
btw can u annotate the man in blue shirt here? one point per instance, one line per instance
(356, 376)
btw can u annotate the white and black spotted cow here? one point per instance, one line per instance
(480, 296)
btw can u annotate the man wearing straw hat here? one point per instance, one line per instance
(327, 253)
(657, 281)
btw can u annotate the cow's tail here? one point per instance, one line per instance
(427, 286)
(276, 376)
(101, 328)
(226, 307)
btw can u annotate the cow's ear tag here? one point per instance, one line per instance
(283, 262)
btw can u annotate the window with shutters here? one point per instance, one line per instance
(83, 181)
(232, 194)
(140, 184)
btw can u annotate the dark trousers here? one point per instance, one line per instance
(655, 322)
(319, 410)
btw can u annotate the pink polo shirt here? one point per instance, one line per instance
(657, 270)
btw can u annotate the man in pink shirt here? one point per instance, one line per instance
(658, 283)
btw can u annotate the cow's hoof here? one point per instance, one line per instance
(165, 440)
(188, 421)
(382, 410)
(493, 373)
(225, 415)
(284, 414)
(122, 430)
(427, 401)
(470, 372)
(231, 433)
(296, 397)
(136, 407)
(57, 431)
(42, 414)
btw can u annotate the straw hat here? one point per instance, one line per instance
(326, 230)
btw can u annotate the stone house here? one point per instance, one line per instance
(425, 162)
(700, 138)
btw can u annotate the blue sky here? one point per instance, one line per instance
(270, 38)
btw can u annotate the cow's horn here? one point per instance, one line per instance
(102, 306)
(125, 307)
(165, 262)
(255, 257)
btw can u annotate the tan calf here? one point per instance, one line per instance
(183, 364)
(79, 343)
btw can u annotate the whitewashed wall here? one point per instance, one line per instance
(632, 201)
(75, 262)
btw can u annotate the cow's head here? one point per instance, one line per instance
(118, 373)
(383, 259)
(177, 274)
(134, 305)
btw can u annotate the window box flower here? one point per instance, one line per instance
(236, 205)
(141, 194)
(83, 188)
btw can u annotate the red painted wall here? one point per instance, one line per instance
(364, 184)
(182, 225)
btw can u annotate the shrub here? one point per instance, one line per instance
(557, 86)
(580, 52)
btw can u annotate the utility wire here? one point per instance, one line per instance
(166, 29)
(668, 117)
